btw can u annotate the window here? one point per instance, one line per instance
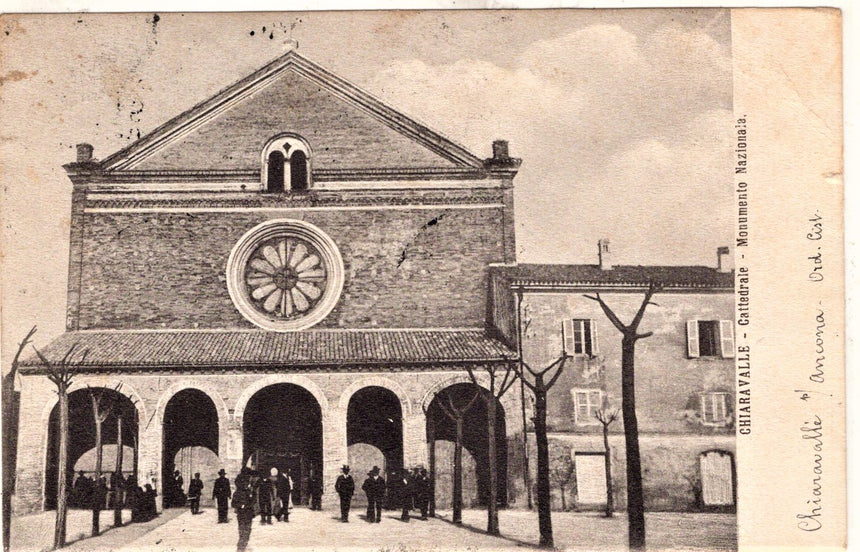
(710, 338)
(714, 409)
(579, 337)
(286, 165)
(586, 403)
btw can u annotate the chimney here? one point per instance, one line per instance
(724, 250)
(85, 153)
(604, 255)
(500, 150)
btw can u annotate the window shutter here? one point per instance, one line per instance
(727, 338)
(594, 349)
(693, 338)
(569, 338)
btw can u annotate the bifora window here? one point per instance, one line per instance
(285, 275)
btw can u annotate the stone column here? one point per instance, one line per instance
(230, 452)
(415, 440)
(149, 457)
(334, 454)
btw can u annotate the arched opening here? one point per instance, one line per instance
(441, 434)
(298, 171)
(81, 461)
(374, 432)
(275, 176)
(282, 428)
(190, 444)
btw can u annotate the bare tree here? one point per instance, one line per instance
(431, 459)
(102, 406)
(630, 335)
(61, 373)
(606, 419)
(498, 388)
(457, 413)
(118, 479)
(10, 436)
(540, 387)
(563, 474)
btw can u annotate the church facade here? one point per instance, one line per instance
(287, 274)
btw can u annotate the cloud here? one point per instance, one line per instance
(622, 135)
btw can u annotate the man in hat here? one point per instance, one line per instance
(221, 494)
(268, 496)
(374, 488)
(245, 502)
(345, 487)
(195, 490)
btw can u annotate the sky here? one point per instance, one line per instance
(623, 118)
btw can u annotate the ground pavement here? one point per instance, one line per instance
(179, 530)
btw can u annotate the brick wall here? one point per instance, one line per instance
(340, 135)
(404, 268)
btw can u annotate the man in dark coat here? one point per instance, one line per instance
(403, 495)
(221, 494)
(244, 500)
(283, 488)
(345, 487)
(316, 489)
(374, 488)
(195, 489)
(422, 492)
(267, 495)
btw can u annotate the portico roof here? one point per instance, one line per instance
(256, 349)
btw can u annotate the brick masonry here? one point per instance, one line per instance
(230, 393)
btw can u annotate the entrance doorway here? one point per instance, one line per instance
(282, 428)
(82, 454)
(190, 445)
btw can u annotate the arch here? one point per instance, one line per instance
(275, 172)
(453, 380)
(377, 381)
(120, 412)
(288, 144)
(110, 383)
(374, 417)
(295, 379)
(299, 171)
(220, 405)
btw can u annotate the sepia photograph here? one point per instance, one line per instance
(383, 280)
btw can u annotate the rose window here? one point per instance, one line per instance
(285, 275)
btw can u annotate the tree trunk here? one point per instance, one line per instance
(431, 461)
(610, 500)
(493, 505)
(543, 495)
(62, 455)
(635, 499)
(10, 438)
(117, 491)
(526, 474)
(98, 422)
(563, 499)
(457, 499)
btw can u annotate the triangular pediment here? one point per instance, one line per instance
(345, 127)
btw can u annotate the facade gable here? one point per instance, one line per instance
(345, 128)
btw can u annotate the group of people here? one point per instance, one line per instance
(404, 491)
(95, 494)
(267, 496)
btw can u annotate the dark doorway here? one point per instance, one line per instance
(275, 179)
(374, 418)
(282, 428)
(298, 171)
(190, 422)
(475, 429)
(82, 440)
